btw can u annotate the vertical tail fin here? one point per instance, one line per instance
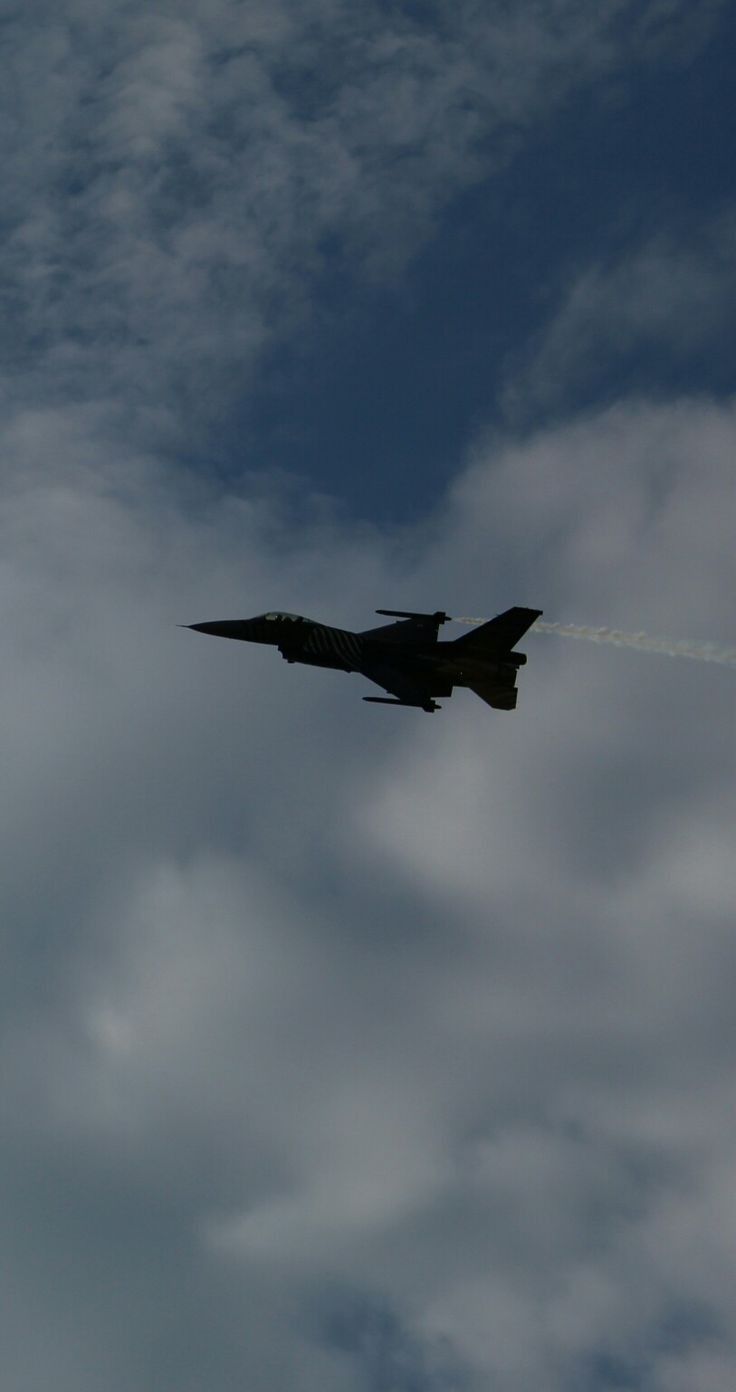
(499, 635)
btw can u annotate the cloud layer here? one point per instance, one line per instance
(344, 1051)
(337, 1043)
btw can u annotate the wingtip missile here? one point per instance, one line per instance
(395, 701)
(438, 617)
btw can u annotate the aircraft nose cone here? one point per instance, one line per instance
(226, 628)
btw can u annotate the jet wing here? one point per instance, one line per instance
(416, 629)
(404, 689)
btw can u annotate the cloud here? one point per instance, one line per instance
(304, 1005)
(341, 1051)
(176, 184)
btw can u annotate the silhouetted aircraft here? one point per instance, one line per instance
(406, 659)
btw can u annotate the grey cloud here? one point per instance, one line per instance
(339, 1049)
(301, 1002)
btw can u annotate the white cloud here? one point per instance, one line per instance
(436, 1011)
(304, 1002)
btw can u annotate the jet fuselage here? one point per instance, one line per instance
(405, 658)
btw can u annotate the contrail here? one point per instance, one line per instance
(671, 647)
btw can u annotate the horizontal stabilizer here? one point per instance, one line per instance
(497, 697)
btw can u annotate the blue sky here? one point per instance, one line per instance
(347, 1051)
(378, 399)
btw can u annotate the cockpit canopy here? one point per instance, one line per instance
(291, 618)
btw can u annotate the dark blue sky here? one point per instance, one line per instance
(378, 397)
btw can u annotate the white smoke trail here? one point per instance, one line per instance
(671, 647)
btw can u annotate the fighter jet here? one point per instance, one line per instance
(406, 659)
